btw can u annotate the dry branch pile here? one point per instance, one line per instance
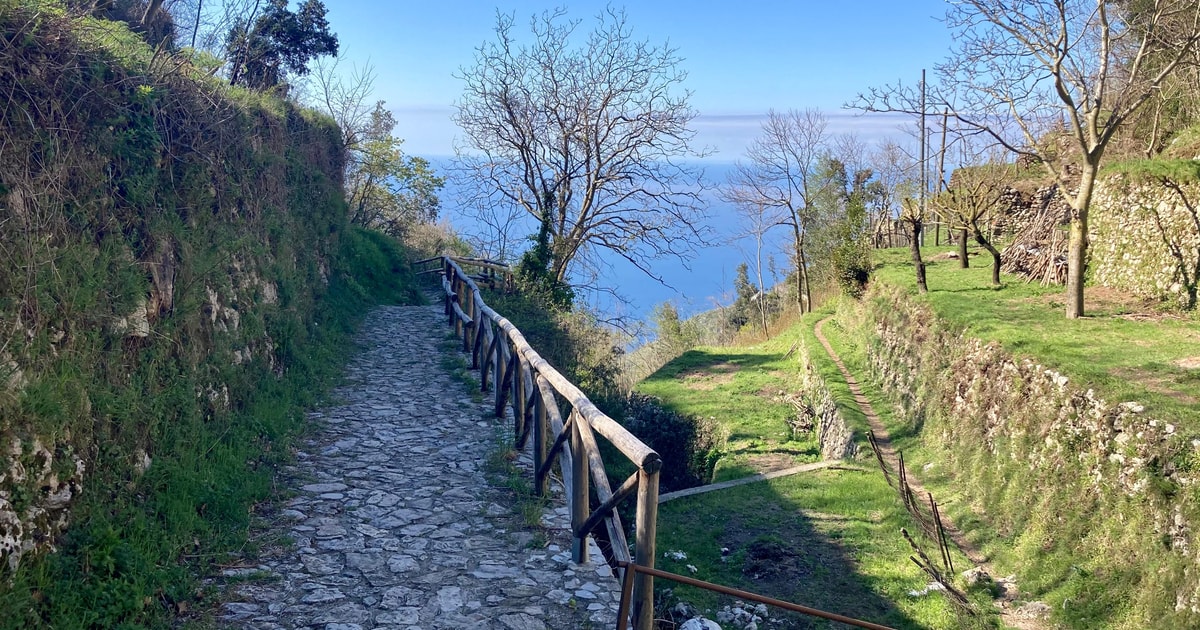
(1039, 249)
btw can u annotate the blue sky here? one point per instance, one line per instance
(743, 58)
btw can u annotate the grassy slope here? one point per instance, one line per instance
(1122, 358)
(740, 388)
(834, 532)
(134, 557)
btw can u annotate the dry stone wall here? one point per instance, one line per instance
(1145, 238)
(833, 432)
(1054, 469)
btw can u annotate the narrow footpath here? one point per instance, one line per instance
(394, 524)
(1019, 618)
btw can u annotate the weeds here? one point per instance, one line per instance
(502, 472)
(458, 368)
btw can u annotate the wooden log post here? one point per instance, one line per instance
(541, 429)
(469, 309)
(515, 399)
(482, 322)
(530, 397)
(458, 325)
(579, 492)
(447, 270)
(647, 519)
(504, 381)
(490, 361)
(539, 457)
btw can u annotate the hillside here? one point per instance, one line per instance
(179, 281)
(1064, 449)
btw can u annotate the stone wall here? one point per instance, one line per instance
(1062, 476)
(1145, 238)
(833, 432)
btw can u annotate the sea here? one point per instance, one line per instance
(627, 296)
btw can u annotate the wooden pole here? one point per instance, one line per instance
(647, 518)
(540, 430)
(515, 397)
(924, 180)
(579, 492)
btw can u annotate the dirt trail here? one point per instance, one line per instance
(1008, 614)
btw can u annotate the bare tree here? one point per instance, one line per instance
(912, 212)
(1078, 67)
(385, 188)
(974, 194)
(782, 175)
(343, 95)
(758, 222)
(589, 139)
(894, 175)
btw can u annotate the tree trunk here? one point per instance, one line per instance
(151, 9)
(915, 247)
(1076, 250)
(762, 290)
(1077, 245)
(963, 261)
(807, 286)
(986, 244)
(798, 237)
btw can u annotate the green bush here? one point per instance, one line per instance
(574, 342)
(689, 446)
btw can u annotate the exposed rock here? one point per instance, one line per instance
(1033, 610)
(141, 461)
(135, 324)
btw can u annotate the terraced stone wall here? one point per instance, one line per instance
(1145, 236)
(1098, 500)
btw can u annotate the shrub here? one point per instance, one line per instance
(689, 446)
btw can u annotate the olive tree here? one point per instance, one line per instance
(588, 134)
(974, 194)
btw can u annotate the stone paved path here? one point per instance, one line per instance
(394, 523)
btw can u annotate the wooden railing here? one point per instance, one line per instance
(523, 381)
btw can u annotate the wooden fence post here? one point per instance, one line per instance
(446, 271)
(480, 322)
(515, 398)
(539, 443)
(647, 519)
(579, 492)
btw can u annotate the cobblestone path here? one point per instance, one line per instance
(394, 522)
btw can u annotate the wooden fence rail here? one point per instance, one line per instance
(538, 394)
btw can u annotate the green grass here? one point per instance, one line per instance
(138, 545)
(836, 532)
(1123, 356)
(740, 389)
(502, 472)
(1085, 556)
